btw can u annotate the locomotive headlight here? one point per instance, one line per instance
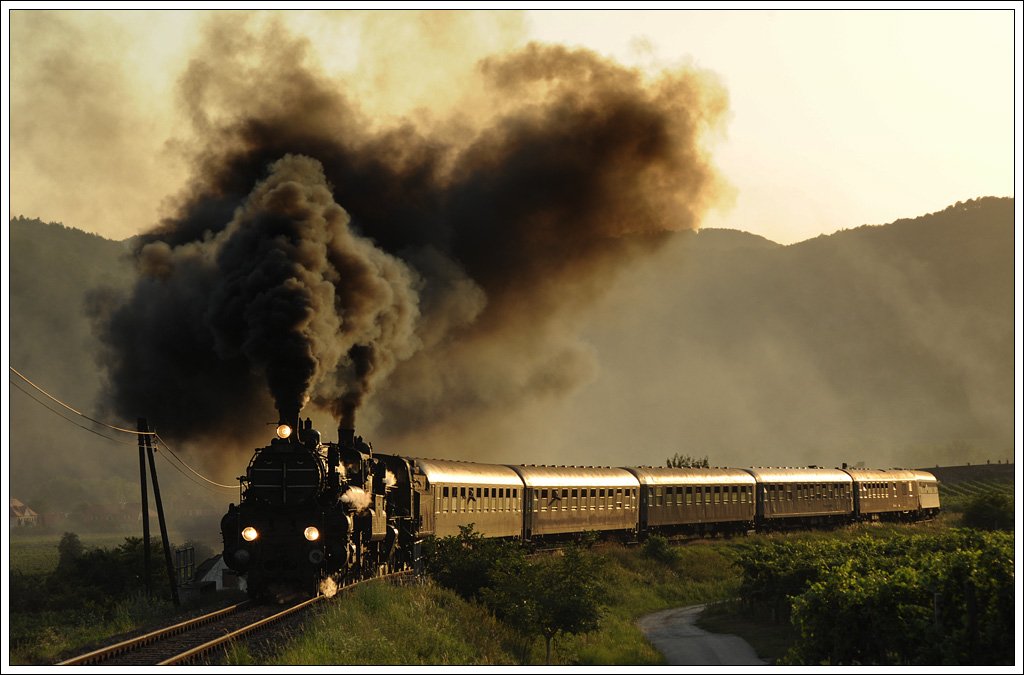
(284, 431)
(311, 533)
(250, 533)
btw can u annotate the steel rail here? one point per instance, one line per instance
(184, 657)
(262, 623)
(184, 626)
(134, 643)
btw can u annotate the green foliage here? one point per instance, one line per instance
(554, 595)
(678, 461)
(81, 593)
(990, 511)
(658, 548)
(89, 579)
(567, 595)
(70, 550)
(103, 577)
(464, 563)
(872, 601)
(545, 597)
(956, 496)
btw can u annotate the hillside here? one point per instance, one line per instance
(53, 269)
(883, 344)
(891, 345)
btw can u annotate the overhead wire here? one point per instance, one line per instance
(109, 426)
(58, 414)
(185, 464)
(102, 424)
(193, 480)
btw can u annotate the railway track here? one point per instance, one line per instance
(196, 639)
(191, 640)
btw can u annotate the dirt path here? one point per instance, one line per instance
(683, 644)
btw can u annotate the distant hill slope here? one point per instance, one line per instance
(51, 341)
(883, 344)
(974, 472)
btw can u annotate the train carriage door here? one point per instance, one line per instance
(531, 502)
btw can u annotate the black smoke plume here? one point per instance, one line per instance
(324, 255)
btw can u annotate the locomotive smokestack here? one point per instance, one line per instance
(345, 437)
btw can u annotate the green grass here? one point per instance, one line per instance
(381, 624)
(37, 553)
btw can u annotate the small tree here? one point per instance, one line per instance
(70, 549)
(548, 596)
(512, 596)
(568, 596)
(552, 595)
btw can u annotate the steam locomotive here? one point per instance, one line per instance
(313, 515)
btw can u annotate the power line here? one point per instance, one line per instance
(102, 424)
(193, 480)
(190, 468)
(93, 431)
(58, 414)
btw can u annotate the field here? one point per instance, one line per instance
(36, 553)
(954, 496)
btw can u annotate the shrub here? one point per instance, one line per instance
(945, 599)
(464, 563)
(990, 511)
(658, 548)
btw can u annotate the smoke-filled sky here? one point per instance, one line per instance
(406, 221)
(836, 118)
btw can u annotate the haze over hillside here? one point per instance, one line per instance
(875, 344)
(890, 345)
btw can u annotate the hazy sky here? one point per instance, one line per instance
(837, 118)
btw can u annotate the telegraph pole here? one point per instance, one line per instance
(143, 438)
(144, 427)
